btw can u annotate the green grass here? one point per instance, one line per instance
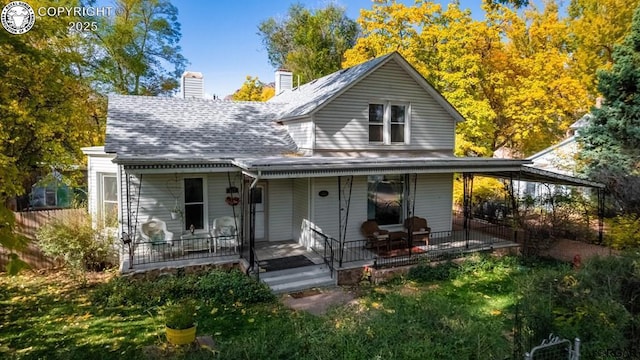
(467, 314)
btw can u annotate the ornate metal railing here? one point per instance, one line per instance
(443, 245)
(192, 247)
(327, 248)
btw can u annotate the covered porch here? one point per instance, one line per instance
(326, 251)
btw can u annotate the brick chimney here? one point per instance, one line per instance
(284, 80)
(192, 85)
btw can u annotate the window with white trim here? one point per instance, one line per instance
(389, 123)
(194, 203)
(108, 200)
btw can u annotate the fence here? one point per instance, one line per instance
(27, 224)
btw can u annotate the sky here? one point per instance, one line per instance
(220, 38)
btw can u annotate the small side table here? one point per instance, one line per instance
(198, 241)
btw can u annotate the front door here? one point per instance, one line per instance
(259, 193)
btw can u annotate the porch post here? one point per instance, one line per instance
(344, 203)
(243, 209)
(131, 236)
(339, 220)
(467, 194)
(252, 229)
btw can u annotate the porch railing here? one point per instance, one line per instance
(178, 249)
(254, 269)
(327, 248)
(446, 245)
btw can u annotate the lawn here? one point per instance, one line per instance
(452, 311)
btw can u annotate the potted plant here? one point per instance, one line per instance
(176, 213)
(180, 321)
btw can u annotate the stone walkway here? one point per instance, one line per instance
(317, 301)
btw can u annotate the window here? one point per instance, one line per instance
(376, 122)
(194, 209)
(397, 123)
(108, 206)
(385, 199)
(388, 123)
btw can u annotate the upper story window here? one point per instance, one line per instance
(389, 123)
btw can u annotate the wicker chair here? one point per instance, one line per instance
(420, 232)
(225, 233)
(377, 238)
(155, 234)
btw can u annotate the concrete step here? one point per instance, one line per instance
(296, 279)
(284, 276)
(323, 281)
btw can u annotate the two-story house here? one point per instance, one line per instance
(371, 142)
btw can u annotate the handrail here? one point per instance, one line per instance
(328, 244)
(255, 267)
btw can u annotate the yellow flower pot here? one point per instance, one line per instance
(181, 337)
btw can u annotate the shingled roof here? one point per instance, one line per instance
(303, 100)
(165, 128)
(312, 96)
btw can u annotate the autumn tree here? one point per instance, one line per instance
(253, 90)
(309, 43)
(48, 112)
(508, 74)
(136, 51)
(611, 141)
(596, 26)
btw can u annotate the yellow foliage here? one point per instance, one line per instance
(252, 90)
(484, 189)
(509, 74)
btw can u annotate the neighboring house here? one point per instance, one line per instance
(370, 142)
(558, 158)
(55, 191)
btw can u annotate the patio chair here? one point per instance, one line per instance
(225, 233)
(377, 238)
(155, 234)
(419, 230)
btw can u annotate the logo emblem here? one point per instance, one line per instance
(17, 17)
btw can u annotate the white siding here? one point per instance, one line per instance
(302, 133)
(344, 123)
(300, 208)
(325, 209)
(95, 166)
(434, 200)
(160, 192)
(217, 193)
(326, 214)
(280, 210)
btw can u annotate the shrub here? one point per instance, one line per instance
(73, 239)
(438, 272)
(624, 232)
(595, 303)
(213, 287)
